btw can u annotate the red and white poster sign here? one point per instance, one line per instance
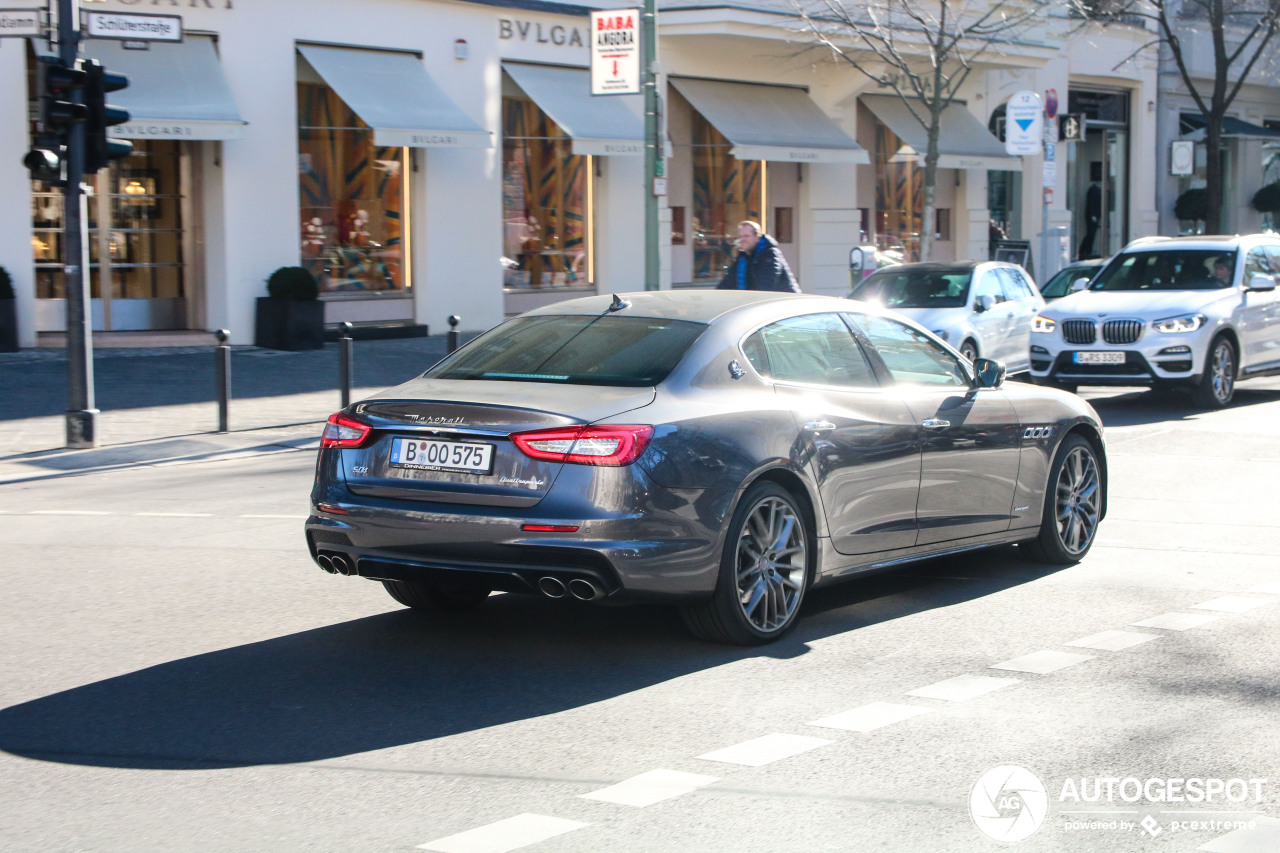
(615, 52)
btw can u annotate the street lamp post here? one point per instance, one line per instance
(653, 165)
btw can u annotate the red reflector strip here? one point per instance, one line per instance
(550, 528)
(336, 510)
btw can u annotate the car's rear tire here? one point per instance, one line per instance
(438, 598)
(1218, 383)
(1072, 505)
(765, 570)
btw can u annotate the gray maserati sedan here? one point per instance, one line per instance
(724, 451)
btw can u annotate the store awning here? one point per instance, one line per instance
(1193, 128)
(770, 122)
(963, 141)
(394, 95)
(601, 124)
(176, 90)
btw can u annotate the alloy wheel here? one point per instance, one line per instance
(1077, 500)
(1223, 371)
(771, 564)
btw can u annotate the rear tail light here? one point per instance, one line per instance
(342, 431)
(611, 444)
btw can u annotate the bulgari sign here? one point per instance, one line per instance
(538, 32)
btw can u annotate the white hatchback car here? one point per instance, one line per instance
(1191, 312)
(982, 308)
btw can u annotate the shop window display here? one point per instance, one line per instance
(899, 197)
(546, 200)
(352, 194)
(726, 191)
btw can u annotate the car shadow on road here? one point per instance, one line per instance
(1145, 406)
(399, 678)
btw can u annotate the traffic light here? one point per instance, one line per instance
(59, 114)
(98, 149)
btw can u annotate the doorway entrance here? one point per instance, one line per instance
(1098, 174)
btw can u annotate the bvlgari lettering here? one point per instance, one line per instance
(555, 34)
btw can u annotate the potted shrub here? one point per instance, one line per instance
(1267, 202)
(1192, 205)
(8, 314)
(291, 316)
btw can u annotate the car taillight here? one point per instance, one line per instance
(342, 431)
(610, 444)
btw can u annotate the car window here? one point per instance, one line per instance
(1256, 263)
(1273, 252)
(1168, 269)
(908, 287)
(574, 350)
(911, 356)
(988, 285)
(1015, 287)
(816, 349)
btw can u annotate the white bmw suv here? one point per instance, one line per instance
(1190, 312)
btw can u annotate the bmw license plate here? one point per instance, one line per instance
(430, 454)
(1099, 358)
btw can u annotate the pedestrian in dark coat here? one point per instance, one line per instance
(759, 264)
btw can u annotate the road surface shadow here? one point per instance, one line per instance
(1145, 406)
(400, 678)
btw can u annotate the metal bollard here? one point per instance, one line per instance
(223, 354)
(454, 320)
(346, 361)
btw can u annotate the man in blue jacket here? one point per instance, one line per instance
(759, 265)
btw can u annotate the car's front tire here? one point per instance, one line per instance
(1072, 505)
(765, 571)
(439, 598)
(969, 350)
(1218, 384)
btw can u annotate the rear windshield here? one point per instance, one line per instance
(1169, 269)
(905, 288)
(574, 350)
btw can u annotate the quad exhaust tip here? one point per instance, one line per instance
(325, 563)
(336, 564)
(551, 587)
(584, 590)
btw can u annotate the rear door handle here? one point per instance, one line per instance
(935, 423)
(819, 426)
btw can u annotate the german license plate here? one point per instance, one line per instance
(1099, 358)
(431, 454)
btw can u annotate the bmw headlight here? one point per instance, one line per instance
(1179, 325)
(1044, 325)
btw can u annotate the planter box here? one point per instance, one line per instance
(280, 324)
(8, 325)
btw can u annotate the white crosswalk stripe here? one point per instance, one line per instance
(505, 835)
(765, 750)
(649, 788)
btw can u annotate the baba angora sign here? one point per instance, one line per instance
(615, 52)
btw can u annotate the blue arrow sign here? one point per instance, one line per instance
(1024, 123)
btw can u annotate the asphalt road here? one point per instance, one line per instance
(177, 675)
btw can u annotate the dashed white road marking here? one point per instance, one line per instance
(1042, 662)
(1112, 641)
(69, 512)
(963, 687)
(510, 834)
(871, 717)
(765, 750)
(1272, 588)
(1178, 621)
(649, 788)
(268, 515)
(1264, 837)
(174, 514)
(1232, 604)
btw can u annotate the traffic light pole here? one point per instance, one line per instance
(652, 143)
(81, 414)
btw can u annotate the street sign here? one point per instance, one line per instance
(1051, 103)
(130, 27)
(1071, 127)
(1024, 124)
(20, 23)
(615, 52)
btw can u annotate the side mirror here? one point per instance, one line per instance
(1261, 282)
(1079, 285)
(989, 372)
(985, 303)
